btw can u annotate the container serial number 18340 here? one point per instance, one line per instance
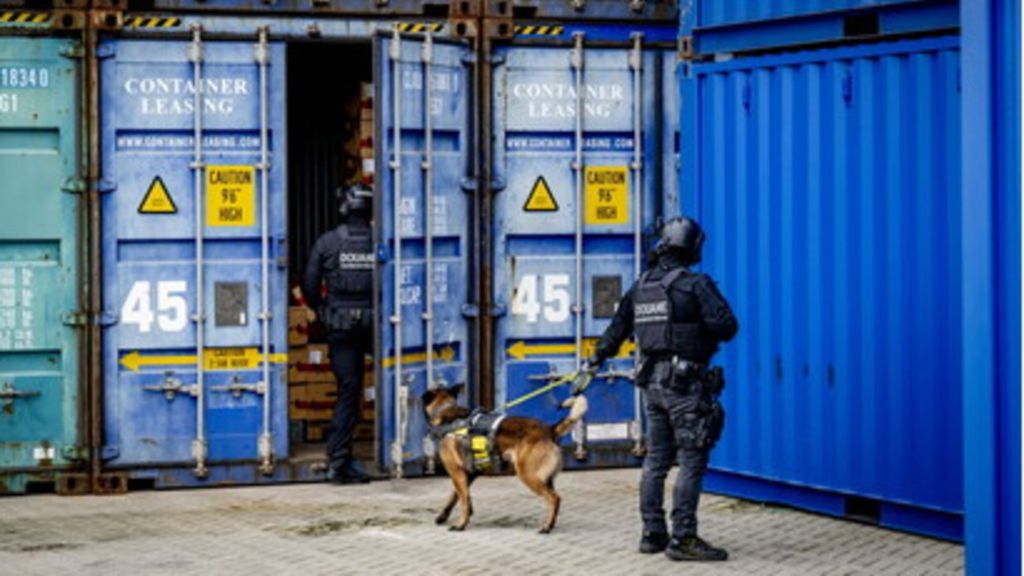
(22, 77)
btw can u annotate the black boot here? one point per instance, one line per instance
(347, 473)
(653, 542)
(693, 549)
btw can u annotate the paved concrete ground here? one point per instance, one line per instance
(387, 528)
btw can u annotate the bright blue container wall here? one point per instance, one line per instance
(992, 369)
(728, 12)
(449, 109)
(147, 132)
(829, 185)
(738, 25)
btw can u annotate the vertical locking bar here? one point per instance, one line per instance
(576, 59)
(266, 440)
(199, 446)
(636, 64)
(428, 192)
(395, 54)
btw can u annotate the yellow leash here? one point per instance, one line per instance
(571, 377)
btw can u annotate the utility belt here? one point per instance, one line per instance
(345, 317)
(686, 377)
(703, 427)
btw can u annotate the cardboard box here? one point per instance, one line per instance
(298, 326)
(367, 401)
(365, 129)
(317, 431)
(310, 363)
(313, 401)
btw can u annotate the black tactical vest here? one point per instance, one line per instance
(657, 334)
(349, 273)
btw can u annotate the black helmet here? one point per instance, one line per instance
(354, 200)
(684, 236)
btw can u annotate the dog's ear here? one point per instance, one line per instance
(456, 389)
(428, 397)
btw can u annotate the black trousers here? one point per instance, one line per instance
(670, 416)
(348, 351)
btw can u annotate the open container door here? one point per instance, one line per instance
(422, 218)
(193, 241)
(579, 197)
(39, 271)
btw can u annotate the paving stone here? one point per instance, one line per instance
(387, 528)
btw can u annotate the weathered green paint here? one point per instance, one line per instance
(39, 264)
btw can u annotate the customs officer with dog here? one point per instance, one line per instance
(679, 318)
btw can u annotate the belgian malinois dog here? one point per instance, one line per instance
(528, 445)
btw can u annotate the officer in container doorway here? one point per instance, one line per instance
(344, 259)
(679, 318)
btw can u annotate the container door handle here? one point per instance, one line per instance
(8, 394)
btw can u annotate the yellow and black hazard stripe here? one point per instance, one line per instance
(151, 22)
(25, 17)
(530, 30)
(420, 27)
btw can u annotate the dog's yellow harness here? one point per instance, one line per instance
(476, 434)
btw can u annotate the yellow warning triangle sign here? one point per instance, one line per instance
(157, 200)
(540, 199)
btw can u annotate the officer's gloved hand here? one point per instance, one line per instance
(586, 373)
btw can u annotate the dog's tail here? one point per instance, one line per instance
(578, 407)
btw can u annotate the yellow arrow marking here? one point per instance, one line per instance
(213, 359)
(446, 354)
(520, 350)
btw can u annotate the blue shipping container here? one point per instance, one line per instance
(829, 185)
(40, 334)
(192, 235)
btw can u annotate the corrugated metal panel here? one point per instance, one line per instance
(39, 264)
(991, 212)
(724, 12)
(152, 260)
(738, 26)
(417, 208)
(828, 182)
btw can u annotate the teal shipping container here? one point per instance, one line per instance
(40, 414)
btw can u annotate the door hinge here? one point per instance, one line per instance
(104, 186)
(74, 185)
(73, 50)
(470, 311)
(105, 51)
(469, 184)
(106, 319)
(499, 310)
(469, 58)
(75, 453)
(75, 319)
(498, 185)
(110, 452)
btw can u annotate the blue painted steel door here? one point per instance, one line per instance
(580, 195)
(190, 272)
(422, 221)
(39, 346)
